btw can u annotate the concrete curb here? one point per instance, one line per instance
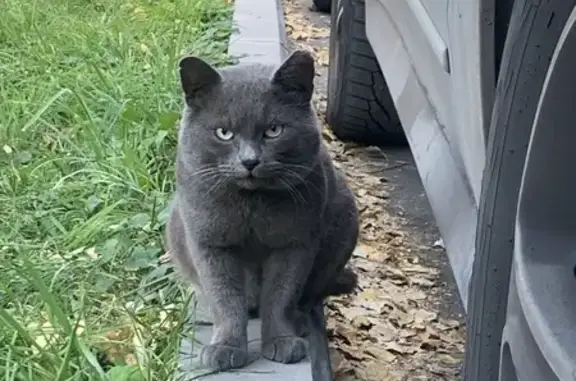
(259, 37)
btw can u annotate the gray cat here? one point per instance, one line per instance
(261, 219)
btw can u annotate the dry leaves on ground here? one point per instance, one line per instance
(388, 331)
(305, 34)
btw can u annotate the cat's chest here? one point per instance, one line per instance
(258, 223)
(278, 224)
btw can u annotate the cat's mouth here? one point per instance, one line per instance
(252, 180)
(249, 182)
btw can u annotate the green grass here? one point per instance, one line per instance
(89, 102)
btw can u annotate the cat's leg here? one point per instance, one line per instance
(328, 271)
(336, 247)
(221, 275)
(182, 258)
(284, 275)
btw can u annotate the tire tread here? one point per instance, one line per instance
(364, 111)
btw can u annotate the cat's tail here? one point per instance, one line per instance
(344, 283)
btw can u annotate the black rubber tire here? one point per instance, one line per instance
(535, 27)
(323, 5)
(359, 104)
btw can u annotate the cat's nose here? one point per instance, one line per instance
(250, 164)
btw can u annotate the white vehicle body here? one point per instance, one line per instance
(429, 52)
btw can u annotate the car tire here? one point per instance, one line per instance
(359, 107)
(535, 28)
(323, 5)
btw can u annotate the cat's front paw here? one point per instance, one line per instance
(223, 357)
(286, 350)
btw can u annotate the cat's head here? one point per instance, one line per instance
(249, 125)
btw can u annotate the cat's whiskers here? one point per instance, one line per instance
(219, 182)
(204, 170)
(206, 177)
(222, 173)
(212, 170)
(301, 179)
(294, 193)
(203, 173)
(219, 173)
(284, 175)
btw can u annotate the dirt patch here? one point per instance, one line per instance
(392, 328)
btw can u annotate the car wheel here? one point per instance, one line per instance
(535, 29)
(360, 107)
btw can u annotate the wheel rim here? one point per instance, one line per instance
(544, 257)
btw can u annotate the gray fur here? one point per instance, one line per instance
(278, 240)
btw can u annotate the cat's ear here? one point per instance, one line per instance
(294, 79)
(197, 76)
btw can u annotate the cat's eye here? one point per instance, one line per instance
(273, 131)
(224, 134)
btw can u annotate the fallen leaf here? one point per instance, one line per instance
(165, 258)
(400, 318)
(340, 365)
(351, 352)
(395, 275)
(422, 282)
(367, 266)
(439, 244)
(396, 348)
(431, 345)
(375, 371)
(424, 316)
(361, 322)
(346, 332)
(384, 332)
(91, 253)
(350, 313)
(380, 354)
(449, 360)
